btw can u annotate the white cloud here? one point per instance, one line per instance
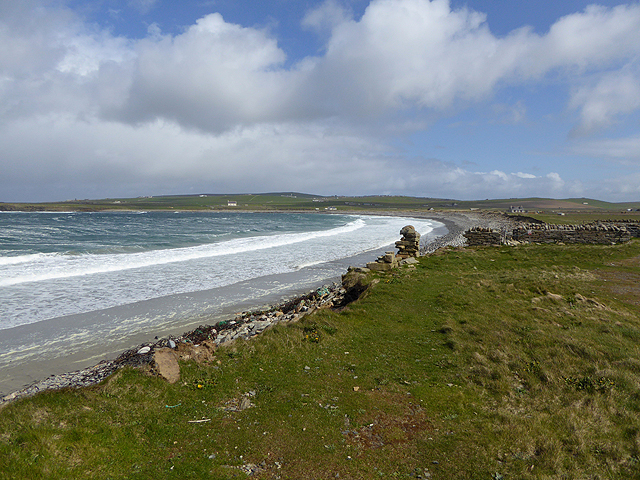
(218, 105)
(509, 114)
(162, 157)
(326, 16)
(613, 94)
(623, 150)
(498, 174)
(599, 36)
(621, 189)
(405, 53)
(214, 76)
(400, 55)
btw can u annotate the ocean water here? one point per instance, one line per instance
(57, 264)
(69, 281)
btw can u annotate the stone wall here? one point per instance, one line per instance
(478, 236)
(388, 261)
(588, 234)
(632, 226)
(598, 233)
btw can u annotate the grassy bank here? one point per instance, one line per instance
(493, 363)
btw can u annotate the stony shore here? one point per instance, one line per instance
(203, 340)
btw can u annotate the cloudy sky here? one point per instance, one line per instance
(465, 99)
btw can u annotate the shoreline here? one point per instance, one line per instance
(456, 225)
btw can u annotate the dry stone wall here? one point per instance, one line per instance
(632, 226)
(478, 236)
(587, 234)
(597, 233)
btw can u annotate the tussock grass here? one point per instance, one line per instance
(511, 363)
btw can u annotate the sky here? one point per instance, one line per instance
(452, 99)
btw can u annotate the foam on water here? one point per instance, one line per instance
(42, 267)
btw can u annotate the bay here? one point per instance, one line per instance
(79, 287)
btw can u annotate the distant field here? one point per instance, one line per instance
(585, 217)
(545, 208)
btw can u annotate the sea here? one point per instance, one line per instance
(79, 287)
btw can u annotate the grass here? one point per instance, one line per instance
(489, 363)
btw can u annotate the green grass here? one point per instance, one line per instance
(514, 363)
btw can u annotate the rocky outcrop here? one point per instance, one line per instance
(166, 364)
(354, 282)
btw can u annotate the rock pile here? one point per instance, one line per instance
(409, 245)
(388, 261)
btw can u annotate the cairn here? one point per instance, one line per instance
(409, 245)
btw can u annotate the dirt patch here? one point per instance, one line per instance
(39, 416)
(628, 262)
(623, 283)
(388, 429)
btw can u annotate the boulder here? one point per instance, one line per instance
(380, 266)
(166, 364)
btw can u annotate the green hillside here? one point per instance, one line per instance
(490, 363)
(308, 202)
